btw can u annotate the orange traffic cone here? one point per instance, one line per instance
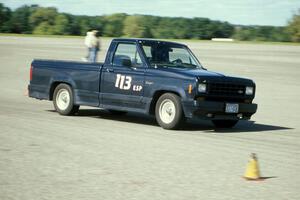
(252, 171)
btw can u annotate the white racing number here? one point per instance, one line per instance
(123, 82)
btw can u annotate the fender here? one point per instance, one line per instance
(155, 93)
(54, 81)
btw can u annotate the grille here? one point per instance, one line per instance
(226, 99)
(226, 89)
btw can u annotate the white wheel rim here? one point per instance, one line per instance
(63, 99)
(167, 111)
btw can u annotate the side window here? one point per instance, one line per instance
(180, 54)
(147, 50)
(127, 52)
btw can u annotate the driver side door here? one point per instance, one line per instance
(123, 80)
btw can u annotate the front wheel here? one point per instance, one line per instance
(224, 123)
(63, 100)
(168, 111)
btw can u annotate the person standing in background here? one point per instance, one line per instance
(87, 42)
(94, 46)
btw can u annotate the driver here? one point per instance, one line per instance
(160, 54)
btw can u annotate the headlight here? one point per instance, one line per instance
(202, 87)
(249, 90)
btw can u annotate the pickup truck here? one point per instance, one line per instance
(159, 78)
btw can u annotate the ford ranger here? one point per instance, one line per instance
(159, 78)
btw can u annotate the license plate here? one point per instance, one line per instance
(232, 108)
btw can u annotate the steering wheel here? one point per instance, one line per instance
(177, 61)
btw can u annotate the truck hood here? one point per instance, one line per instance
(203, 75)
(192, 73)
(198, 72)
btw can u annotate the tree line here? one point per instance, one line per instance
(34, 19)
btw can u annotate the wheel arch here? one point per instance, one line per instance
(54, 84)
(156, 96)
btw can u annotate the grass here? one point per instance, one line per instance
(178, 40)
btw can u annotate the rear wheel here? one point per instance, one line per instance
(224, 123)
(63, 100)
(168, 111)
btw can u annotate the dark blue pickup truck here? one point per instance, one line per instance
(159, 78)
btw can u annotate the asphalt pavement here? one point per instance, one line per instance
(96, 155)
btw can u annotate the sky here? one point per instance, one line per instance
(243, 12)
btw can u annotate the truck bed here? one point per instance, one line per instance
(83, 76)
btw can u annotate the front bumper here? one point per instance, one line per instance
(216, 110)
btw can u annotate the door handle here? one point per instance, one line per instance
(109, 70)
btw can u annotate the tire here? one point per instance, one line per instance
(168, 111)
(224, 123)
(63, 100)
(117, 112)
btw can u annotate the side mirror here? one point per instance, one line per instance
(126, 62)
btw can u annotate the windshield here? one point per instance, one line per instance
(164, 54)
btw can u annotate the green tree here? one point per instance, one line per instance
(5, 15)
(150, 22)
(164, 28)
(180, 27)
(44, 28)
(294, 27)
(61, 26)
(242, 34)
(224, 30)
(280, 34)
(47, 20)
(84, 26)
(43, 15)
(261, 33)
(114, 25)
(97, 23)
(134, 26)
(19, 21)
(199, 29)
